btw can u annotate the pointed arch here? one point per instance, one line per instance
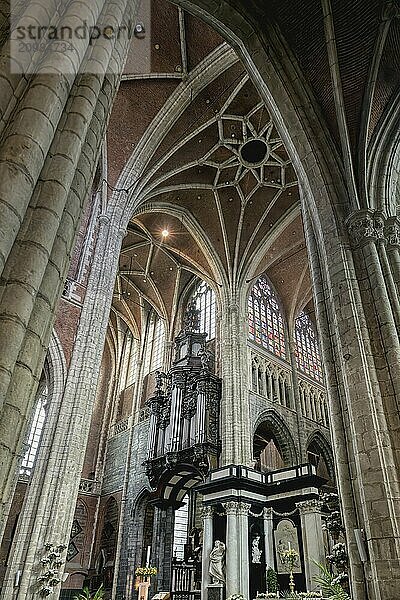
(280, 431)
(318, 444)
(308, 359)
(266, 319)
(203, 297)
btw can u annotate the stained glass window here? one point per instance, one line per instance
(35, 434)
(265, 318)
(307, 352)
(204, 299)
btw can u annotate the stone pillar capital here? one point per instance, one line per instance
(236, 508)
(391, 10)
(392, 231)
(230, 507)
(309, 506)
(268, 513)
(207, 512)
(365, 226)
(243, 508)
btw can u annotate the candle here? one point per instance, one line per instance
(148, 556)
(289, 545)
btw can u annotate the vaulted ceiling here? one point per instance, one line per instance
(220, 181)
(345, 55)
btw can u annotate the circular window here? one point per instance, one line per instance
(254, 152)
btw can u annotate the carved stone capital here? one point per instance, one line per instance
(309, 506)
(392, 231)
(236, 508)
(230, 507)
(268, 513)
(207, 512)
(365, 226)
(243, 508)
(391, 10)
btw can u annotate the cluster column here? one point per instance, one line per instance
(235, 434)
(47, 517)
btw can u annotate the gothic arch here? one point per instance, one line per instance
(280, 347)
(318, 439)
(281, 433)
(177, 320)
(384, 171)
(138, 515)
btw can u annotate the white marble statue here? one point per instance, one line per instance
(217, 563)
(255, 551)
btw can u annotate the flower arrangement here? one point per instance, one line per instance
(50, 565)
(338, 556)
(289, 557)
(145, 571)
(236, 597)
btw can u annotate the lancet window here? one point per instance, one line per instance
(35, 434)
(308, 359)
(204, 299)
(155, 344)
(266, 326)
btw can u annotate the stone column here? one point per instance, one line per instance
(235, 410)
(208, 540)
(47, 517)
(237, 548)
(361, 356)
(313, 540)
(244, 560)
(268, 538)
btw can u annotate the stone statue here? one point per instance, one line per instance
(217, 562)
(255, 551)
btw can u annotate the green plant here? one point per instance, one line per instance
(272, 581)
(86, 594)
(330, 588)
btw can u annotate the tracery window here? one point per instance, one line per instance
(308, 359)
(158, 346)
(265, 318)
(128, 360)
(35, 433)
(204, 299)
(155, 344)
